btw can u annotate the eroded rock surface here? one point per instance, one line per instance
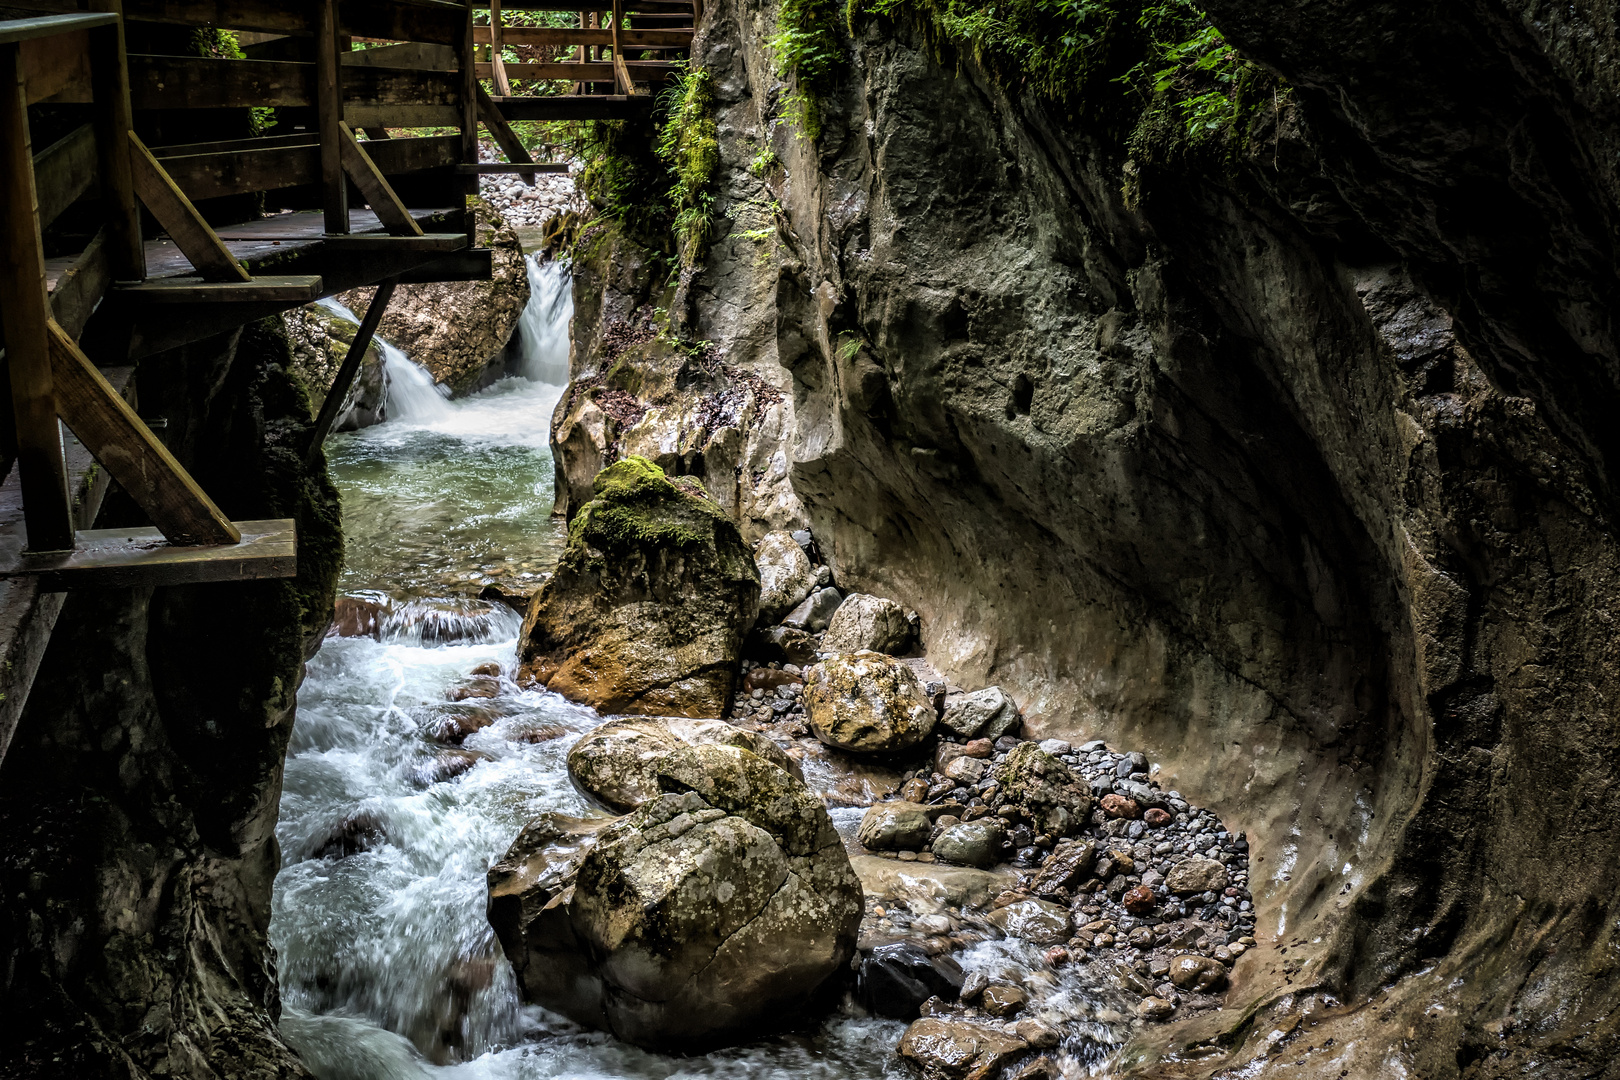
(649, 604)
(868, 703)
(616, 765)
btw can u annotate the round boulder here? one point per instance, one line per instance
(867, 703)
(896, 826)
(708, 915)
(1043, 789)
(1199, 974)
(616, 765)
(865, 622)
(1195, 876)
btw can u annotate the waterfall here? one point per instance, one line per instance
(543, 327)
(412, 394)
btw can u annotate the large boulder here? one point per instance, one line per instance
(868, 703)
(983, 714)
(709, 914)
(786, 577)
(1042, 789)
(867, 622)
(616, 765)
(320, 340)
(649, 604)
(948, 1048)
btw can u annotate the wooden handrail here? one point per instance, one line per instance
(13, 31)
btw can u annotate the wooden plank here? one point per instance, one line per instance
(57, 69)
(134, 557)
(64, 172)
(27, 316)
(13, 31)
(502, 132)
(191, 82)
(397, 156)
(80, 288)
(577, 71)
(179, 218)
(329, 116)
(211, 175)
(576, 107)
(391, 20)
(403, 116)
(429, 243)
(119, 439)
(467, 101)
(333, 401)
(414, 55)
(369, 179)
(231, 146)
(267, 289)
(563, 36)
(587, 5)
(510, 167)
(111, 112)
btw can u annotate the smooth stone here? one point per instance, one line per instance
(972, 843)
(867, 622)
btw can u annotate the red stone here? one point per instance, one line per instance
(762, 678)
(979, 748)
(1057, 956)
(1118, 806)
(1157, 818)
(1139, 900)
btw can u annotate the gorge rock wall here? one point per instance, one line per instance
(138, 801)
(1291, 467)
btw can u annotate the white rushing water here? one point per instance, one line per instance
(388, 967)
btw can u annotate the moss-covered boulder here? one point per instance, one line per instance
(867, 703)
(1043, 790)
(616, 765)
(708, 915)
(647, 610)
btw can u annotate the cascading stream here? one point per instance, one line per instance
(407, 776)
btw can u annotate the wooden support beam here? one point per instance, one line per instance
(420, 243)
(576, 107)
(369, 179)
(27, 318)
(411, 55)
(510, 167)
(575, 71)
(64, 172)
(15, 31)
(191, 234)
(57, 69)
(466, 61)
(141, 464)
(134, 557)
(281, 164)
(621, 74)
(350, 367)
(329, 115)
(232, 146)
(404, 116)
(110, 87)
(284, 289)
(191, 82)
(504, 136)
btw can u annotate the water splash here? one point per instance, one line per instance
(412, 394)
(543, 329)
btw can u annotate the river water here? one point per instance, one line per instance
(388, 967)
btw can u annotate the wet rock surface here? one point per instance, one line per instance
(616, 766)
(648, 607)
(706, 915)
(866, 702)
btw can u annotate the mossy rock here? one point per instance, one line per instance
(1043, 789)
(647, 610)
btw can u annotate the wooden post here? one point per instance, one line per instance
(497, 65)
(620, 71)
(46, 507)
(375, 187)
(469, 114)
(351, 366)
(503, 134)
(329, 110)
(109, 72)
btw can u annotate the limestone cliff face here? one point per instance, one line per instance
(1294, 471)
(138, 801)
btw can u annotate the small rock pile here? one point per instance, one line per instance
(525, 205)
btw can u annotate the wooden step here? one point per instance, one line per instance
(295, 289)
(133, 557)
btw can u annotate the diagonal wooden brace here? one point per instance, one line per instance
(504, 136)
(191, 234)
(126, 447)
(375, 187)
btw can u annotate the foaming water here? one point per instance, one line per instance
(412, 395)
(408, 776)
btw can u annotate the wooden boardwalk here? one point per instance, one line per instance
(124, 158)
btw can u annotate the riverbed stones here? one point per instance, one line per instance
(649, 604)
(709, 914)
(895, 980)
(947, 1048)
(865, 622)
(1068, 865)
(816, 612)
(786, 576)
(867, 702)
(1037, 921)
(897, 826)
(987, 714)
(1196, 875)
(616, 765)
